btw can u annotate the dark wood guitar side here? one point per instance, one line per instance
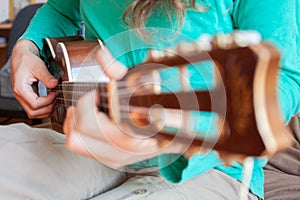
(244, 97)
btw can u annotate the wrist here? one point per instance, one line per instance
(25, 45)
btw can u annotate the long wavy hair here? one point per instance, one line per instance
(138, 12)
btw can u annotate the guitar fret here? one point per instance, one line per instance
(184, 79)
(102, 89)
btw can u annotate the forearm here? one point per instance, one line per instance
(26, 69)
(27, 46)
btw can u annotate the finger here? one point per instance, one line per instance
(81, 118)
(40, 110)
(106, 130)
(121, 136)
(75, 141)
(37, 113)
(111, 67)
(31, 100)
(41, 73)
(101, 128)
(67, 122)
(97, 150)
(92, 148)
(88, 101)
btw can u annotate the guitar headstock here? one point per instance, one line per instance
(234, 109)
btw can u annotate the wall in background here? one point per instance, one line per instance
(10, 8)
(40, 1)
(4, 11)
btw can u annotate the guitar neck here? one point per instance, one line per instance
(243, 97)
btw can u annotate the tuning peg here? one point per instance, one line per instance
(204, 42)
(223, 41)
(184, 48)
(155, 55)
(240, 38)
(158, 55)
(246, 38)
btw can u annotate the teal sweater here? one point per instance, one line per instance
(277, 21)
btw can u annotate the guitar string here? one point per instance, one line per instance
(100, 90)
(101, 93)
(119, 83)
(106, 105)
(77, 89)
(86, 87)
(101, 84)
(123, 109)
(83, 87)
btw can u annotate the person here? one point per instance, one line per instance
(36, 165)
(281, 171)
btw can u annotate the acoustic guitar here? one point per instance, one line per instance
(238, 114)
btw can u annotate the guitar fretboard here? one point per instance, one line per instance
(70, 92)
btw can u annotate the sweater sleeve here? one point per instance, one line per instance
(279, 23)
(55, 19)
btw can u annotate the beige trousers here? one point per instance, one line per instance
(34, 164)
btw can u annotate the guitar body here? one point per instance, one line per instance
(243, 97)
(64, 57)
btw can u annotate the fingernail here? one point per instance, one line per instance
(69, 110)
(52, 83)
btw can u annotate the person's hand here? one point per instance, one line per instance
(27, 69)
(91, 133)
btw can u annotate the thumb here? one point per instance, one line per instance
(111, 67)
(42, 74)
